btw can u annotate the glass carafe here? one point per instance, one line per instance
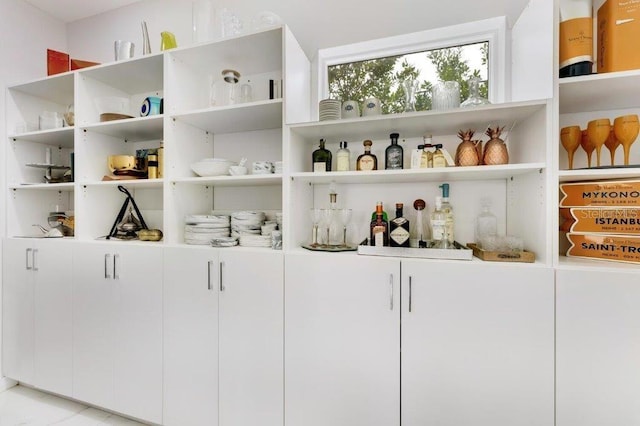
(474, 99)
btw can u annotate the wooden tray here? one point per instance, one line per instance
(496, 256)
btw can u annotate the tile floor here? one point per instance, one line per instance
(28, 407)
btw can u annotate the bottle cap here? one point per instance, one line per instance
(345, 144)
(399, 205)
(394, 135)
(445, 190)
(367, 143)
(419, 204)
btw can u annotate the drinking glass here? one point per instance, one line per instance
(626, 130)
(570, 137)
(316, 216)
(325, 222)
(612, 144)
(345, 218)
(588, 147)
(445, 95)
(598, 131)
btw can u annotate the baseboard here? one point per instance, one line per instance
(6, 383)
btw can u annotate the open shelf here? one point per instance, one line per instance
(131, 129)
(62, 137)
(598, 174)
(246, 180)
(57, 88)
(137, 75)
(134, 183)
(599, 92)
(66, 186)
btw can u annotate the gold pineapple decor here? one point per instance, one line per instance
(495, 150)
(467, 153)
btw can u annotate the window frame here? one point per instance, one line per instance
(493, 30)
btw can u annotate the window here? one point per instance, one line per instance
(378, 67)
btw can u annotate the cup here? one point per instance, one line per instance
(123, 49)
(445, 95)
(350, 109)
(150, 106)
(262, 167)
(371, 107)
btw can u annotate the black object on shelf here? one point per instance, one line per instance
(114, 229)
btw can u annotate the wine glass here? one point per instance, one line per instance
(612, 144)
(345, 218)
(316, 216)
(588, 147)
(598, 131)
(570, 137)
(325, 223)
(626, 129)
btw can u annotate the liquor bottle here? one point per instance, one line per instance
(427, 156)
(438, 157)
(448, 211)
(343, 158)
(438, 222)
(379, 229)
(416, 156)
(321, 158)
(384, 213)
(576, 37)
(419, 233)
(399, 229)
(367, 161)
(394, 154)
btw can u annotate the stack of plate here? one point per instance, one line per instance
(330, 109)
(202, 229)
(255, 240)
(246, 223)
(224, 242)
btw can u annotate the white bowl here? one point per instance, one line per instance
(237, 170)
(212, 168)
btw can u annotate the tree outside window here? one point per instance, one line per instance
(382, 78)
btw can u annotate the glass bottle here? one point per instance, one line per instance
(399, 229)
(438, 222)
(474, 98)
(416, 157)
(367, 161)
(419, 232)
(343, 158)
(448, 211)
(486, 223)
(321, 158)
(384, 213)
(438, 159)
(394, 154)
(379, 229)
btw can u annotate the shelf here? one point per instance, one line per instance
(598, 174)
(133, 183)
(131, 129)
(416, 124)
(246, 180)
(599, 92)
(57, 88)
(421, 175)
(62, 137)
(596, 265)
(137, 75)
(260, 115)
(65, 187)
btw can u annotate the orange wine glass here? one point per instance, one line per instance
(626, 130)
(588, 147)
(612, 143)
(598, 131)
(570, 137)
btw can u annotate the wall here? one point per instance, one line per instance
(26, 33)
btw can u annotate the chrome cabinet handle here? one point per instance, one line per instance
(34, 258)
(116, 275)
(209, 264)
(221, 282)
(107, 275)
(27, 259)
(410, 293)
(391, 292)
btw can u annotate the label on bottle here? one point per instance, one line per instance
(366, 163)
(378, 236)
(576, 41)
(416, 158)
(394, 159)
(437, 226)
(439, 160)
(319, 166)
(399, 235)
(342, 164)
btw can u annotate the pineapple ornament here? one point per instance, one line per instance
(466, 153)
(495, 150)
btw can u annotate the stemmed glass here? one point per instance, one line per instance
(626, 129)
(598, 131)
(316, 216)
(345, 218)
(588, 147)
(570, 137)
(410, 86)
(325, 222)
(612, 144)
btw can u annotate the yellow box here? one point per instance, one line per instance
(605, 193)
(618, 35)
(605, 220)
(617, 248)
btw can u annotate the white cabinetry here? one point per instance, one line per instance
(598, 354)
(37, 331)
(223, 337)
(480, 337)
(117, 327)
(342, 334)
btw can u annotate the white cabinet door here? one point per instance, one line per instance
(53, 328)
(190, 336)
(342, 340)
(477, 344)
(598, 347)
(17, 309)
(117, 323)
(251, 338)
